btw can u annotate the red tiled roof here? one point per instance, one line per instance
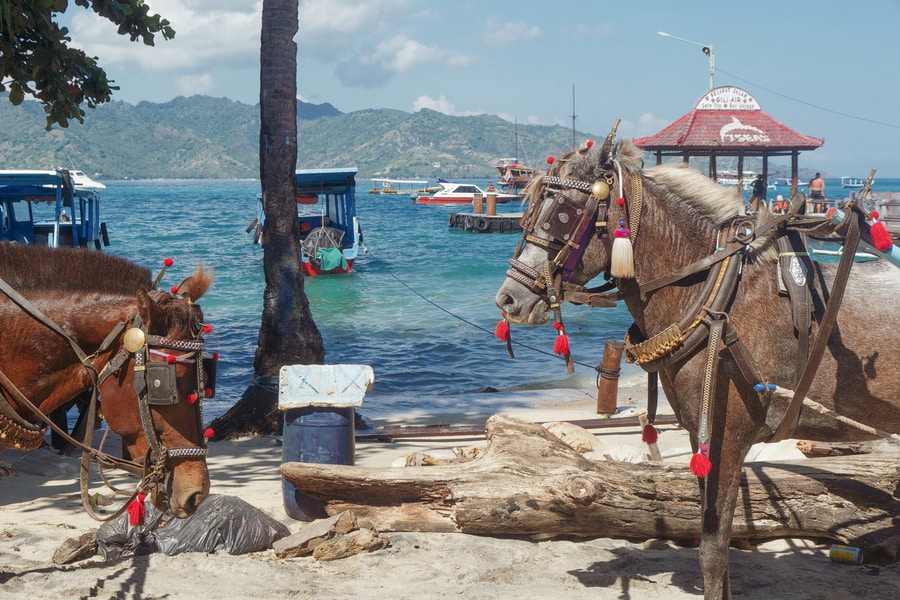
(728, 118)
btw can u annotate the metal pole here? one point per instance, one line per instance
(707, 50)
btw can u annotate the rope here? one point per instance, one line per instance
(462, 319)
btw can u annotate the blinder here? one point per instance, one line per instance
(160, 381)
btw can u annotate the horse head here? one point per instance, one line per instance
(566, 230)
(170, 375)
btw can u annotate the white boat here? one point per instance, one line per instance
(462, 193)
(83, 182)
(730, 179)
(853, 182)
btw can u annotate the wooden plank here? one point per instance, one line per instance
(389, 433)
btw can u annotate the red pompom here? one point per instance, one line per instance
(561, 344)
(215, 356)
(207, 393)
(192, 398)
(174, 289)
(550, 160)
(649, 435)
(501, 332)
(207, 328)
(700, 465)
(881, 239)
(171, 359)
(209, 433)
(136, 510)
(620, 201)
(589, 143)
(168, 262)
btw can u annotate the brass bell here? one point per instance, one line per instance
(600, 190)
(134, 339)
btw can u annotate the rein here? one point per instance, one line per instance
(154, 383)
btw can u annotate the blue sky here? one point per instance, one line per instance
(826, 69)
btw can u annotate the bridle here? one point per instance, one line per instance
(155, 383)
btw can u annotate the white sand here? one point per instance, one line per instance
(40, 508)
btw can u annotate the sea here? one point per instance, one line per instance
(418, 306)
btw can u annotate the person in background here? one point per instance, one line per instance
(759, 193)
(817, 193)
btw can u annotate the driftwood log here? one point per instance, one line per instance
(527, 482)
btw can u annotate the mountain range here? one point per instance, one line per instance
(215, 138)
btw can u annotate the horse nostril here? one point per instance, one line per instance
(193, 503)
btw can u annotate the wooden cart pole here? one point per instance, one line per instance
(608, 377)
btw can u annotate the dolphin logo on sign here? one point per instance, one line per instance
(737, 132)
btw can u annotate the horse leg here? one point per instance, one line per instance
(719, 492)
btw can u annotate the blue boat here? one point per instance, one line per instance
(330, 236)
(51, 208)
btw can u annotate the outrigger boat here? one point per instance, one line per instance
(398, 187)
(330, 236)
(51, 208)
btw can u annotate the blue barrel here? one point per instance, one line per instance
(315, 434)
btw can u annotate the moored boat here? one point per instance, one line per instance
(397, 187)
(514, 176)
(853, 182)
(330, 236)
(462, 193)
(51, 208)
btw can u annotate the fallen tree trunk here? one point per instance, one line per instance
(527, 482)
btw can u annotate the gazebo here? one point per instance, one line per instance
(728, 121)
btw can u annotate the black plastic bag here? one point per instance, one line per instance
(221, 523)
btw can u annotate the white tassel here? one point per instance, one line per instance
(622, 260)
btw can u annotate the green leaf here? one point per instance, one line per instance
(16, 95)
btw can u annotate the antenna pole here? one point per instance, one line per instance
(573, 117)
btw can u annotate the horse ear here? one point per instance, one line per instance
(196, 285)
(150, 311)
(607, 147)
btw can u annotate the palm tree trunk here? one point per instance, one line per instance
(288, 335)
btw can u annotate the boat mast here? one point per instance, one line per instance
(517, 139)
(573, 117)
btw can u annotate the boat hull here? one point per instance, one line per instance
(501, 199)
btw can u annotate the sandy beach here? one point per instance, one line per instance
(40, 508)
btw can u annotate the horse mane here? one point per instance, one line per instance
(705, 201)
(27, 267)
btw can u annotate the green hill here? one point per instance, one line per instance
(204, 137)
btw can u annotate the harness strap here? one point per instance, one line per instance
(792, 415)
(794, 270)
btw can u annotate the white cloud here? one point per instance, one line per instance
(400, 54)
(208, 33)
(326, 25)
(509, 33)
(190, 85)
(441, 105)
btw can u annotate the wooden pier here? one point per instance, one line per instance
(481, 223)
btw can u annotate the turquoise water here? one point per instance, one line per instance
(418, 307)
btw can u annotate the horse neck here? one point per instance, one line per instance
(669, 237)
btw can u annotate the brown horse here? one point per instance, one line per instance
(720, 332)
(73, 321)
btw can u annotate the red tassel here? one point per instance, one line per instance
(649, 435)
(700, 465)
(502, 330)
(561, 344)
(881, 239)
(136, 511)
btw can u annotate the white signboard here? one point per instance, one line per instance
(727, 98)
